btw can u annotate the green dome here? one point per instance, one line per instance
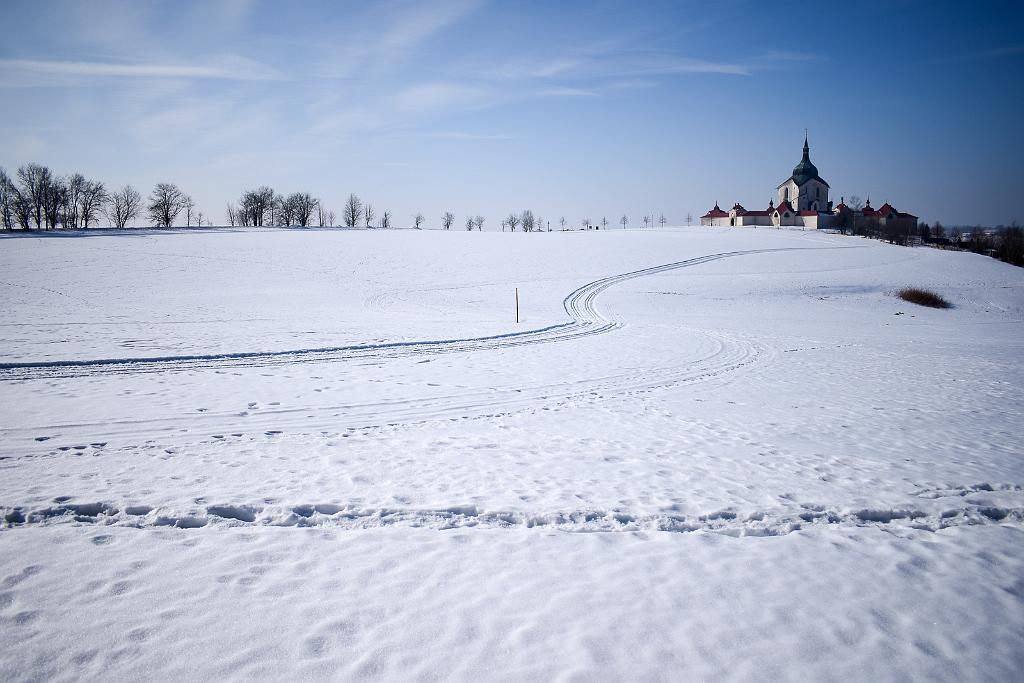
(805, 170)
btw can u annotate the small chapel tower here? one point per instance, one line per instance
(805, 190)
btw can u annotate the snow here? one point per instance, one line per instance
(334, 454)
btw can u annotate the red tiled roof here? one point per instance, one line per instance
(886, 209)
(784, 207)
(715, 213)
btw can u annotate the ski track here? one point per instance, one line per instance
(586, 321)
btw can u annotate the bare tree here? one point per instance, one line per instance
(7, 200)
(528, 221)
(352, 211)
(447, 219)
(417, 220)
(586, 224)
(856, 203)
(479, 220)
(513, 221)
(368, 215)
(55, 197)
(165, 203)
(299, 207)
(23, 209)
(34, 180)
(604, 222)
(540, 224)
(74, 184)
(561, 222)
(232, 215)
(470, 223)
(189, 204)
(385, 219)
(255, 205)
(276, 210)
(199, 218)
(91, 198)
(689, 219)
(647, 221)
(624, 220)
(330, 218)
(286, 210)
(661, 219)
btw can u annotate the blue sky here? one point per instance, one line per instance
(575, 109)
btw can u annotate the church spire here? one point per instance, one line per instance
(807, 149)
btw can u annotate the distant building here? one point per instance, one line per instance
(803, 203)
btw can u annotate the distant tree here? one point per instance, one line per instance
(255, 205)
(199, 218)
(352, 211)
(512, 221)
(624, 220)
(470, 223)
(92, 197)
(647, 221)
(689, 219)
(165, 203)
(232, 213)
(447, 219)
(855, 203)
(604, 222)
(22, 209)
(55, 197)
(330, 218)
(285, 210)
(480, 223)
(586, 224)
(277, 209)
(368, 215)
(417, 221)
(74, 186)
(561, 222)
(540, 224)
(7, 200)
(33, 182)
(1011, 245)
(661, 220)
(528, 221)
(385, 219)
(300, 207)
(938, 230)
(190, 205)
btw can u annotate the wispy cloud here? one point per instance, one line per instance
(230, 68)
(1003, 51)
(463, 135)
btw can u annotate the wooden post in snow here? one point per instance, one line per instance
(517, 305)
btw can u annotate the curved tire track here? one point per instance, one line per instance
(586, 320)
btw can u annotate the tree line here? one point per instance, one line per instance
(35, 197)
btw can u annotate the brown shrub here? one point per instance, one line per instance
(923, 297)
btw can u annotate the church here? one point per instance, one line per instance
(803, 203)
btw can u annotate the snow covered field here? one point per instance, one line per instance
(334, 454)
